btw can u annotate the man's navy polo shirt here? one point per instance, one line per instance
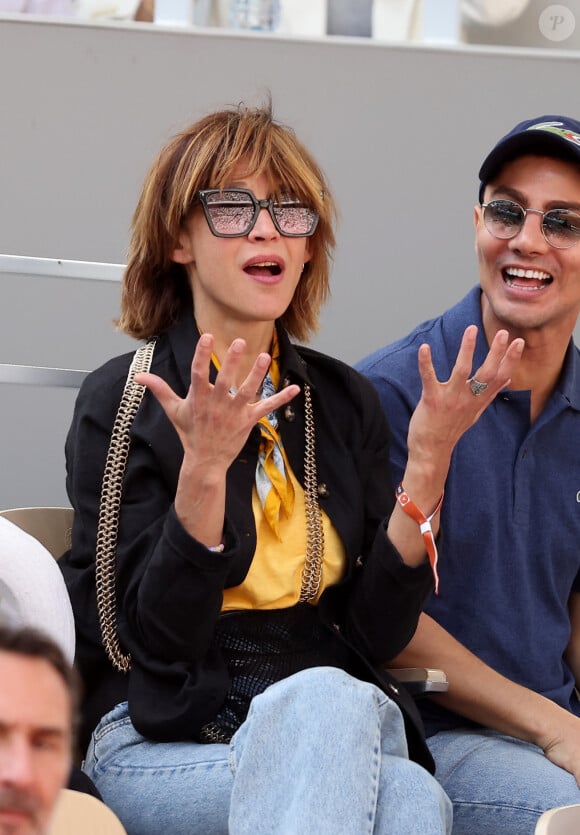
(510, 547)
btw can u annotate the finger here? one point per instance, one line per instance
(200, 363)
(501, 361)
(512, 358)
(485, 379)
(462, 366)
(426, 368)
(161, 390)
(250, 390)
(228, 373)
(276, 401)
(496, 353)
(464, 361)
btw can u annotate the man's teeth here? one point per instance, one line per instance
(540, 275)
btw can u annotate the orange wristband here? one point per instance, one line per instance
(424, 523)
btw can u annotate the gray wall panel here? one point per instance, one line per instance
(399, 129)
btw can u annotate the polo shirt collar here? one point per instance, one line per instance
(569, 383)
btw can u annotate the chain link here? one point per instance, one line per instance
(312, 570)
(110, 507)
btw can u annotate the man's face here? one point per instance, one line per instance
(35, 743)
(528, 285)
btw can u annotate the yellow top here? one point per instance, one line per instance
(274, 578)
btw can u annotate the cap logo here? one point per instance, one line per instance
(559, 130)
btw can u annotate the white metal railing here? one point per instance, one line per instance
(40, 375)
(35, 375)
(59, 268)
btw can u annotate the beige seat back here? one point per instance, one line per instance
(78, 813)
(564, 820)
(50, 525)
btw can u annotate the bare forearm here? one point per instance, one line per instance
(573, 650)
(200, 502)
(479, 693)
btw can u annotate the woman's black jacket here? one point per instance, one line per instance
(169, 586)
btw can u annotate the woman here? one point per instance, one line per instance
(262, 563)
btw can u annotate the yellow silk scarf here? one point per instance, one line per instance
(274, 487)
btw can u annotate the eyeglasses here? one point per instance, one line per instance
(505, 218)
(232, 213)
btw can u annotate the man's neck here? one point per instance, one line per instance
(539, 370)
(541, 363)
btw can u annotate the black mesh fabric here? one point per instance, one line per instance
(262, 647)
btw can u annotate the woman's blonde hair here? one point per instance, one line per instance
(155, 288)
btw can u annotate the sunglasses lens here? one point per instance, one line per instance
(294, 218)
(231, 212)
(503, 218)
(561, 228)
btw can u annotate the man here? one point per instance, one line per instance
(38, 696)
(505, 625)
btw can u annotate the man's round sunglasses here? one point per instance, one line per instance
(232, 213)
(505, 218)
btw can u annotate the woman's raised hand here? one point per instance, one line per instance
(213, 421)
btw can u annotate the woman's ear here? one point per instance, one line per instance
(183, 251)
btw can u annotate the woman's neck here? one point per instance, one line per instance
(257, 336)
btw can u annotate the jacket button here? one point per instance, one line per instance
(336, 627)
(290, 414)
(359, 561)
(322, 490)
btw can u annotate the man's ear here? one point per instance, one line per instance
(477, 219)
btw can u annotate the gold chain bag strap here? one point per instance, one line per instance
(312, 571)
(110, 506)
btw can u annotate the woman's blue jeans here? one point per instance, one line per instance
(320, 752)
(498, 784)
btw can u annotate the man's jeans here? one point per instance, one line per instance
(498, 783)
(320, 753)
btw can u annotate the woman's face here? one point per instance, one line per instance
(241, 280)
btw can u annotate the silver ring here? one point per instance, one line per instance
(477, 387)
